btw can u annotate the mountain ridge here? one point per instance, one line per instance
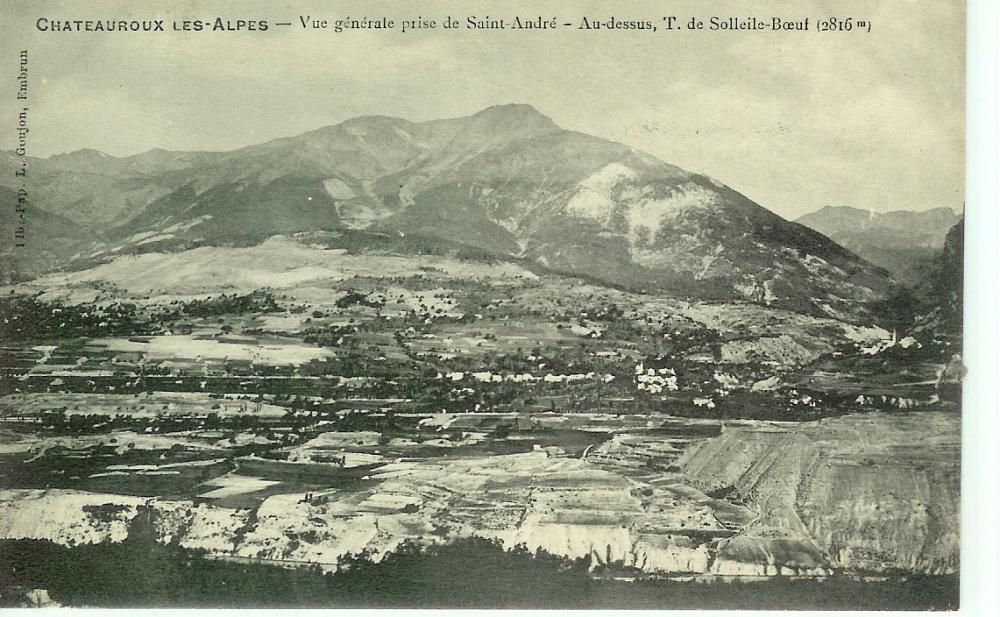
(506, 180)
(901, 241)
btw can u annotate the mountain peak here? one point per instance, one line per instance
(506, 180)
(510, 108)
(514, 111)
(81, 154)
(498, 117)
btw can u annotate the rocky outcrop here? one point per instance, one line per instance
(66, 517)
(878, 492)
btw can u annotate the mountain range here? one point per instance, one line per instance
(506, 181)
(903, 242)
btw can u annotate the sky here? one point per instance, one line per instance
(794, 120)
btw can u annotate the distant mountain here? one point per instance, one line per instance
(50, 240)
(901, 241)
(506, 180)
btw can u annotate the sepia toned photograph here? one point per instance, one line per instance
(552, 305)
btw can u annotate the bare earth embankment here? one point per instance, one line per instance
(759, 499)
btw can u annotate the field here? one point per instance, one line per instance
(310, 413)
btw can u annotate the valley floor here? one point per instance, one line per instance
(346, 427)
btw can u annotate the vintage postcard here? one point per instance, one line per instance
(460, 304)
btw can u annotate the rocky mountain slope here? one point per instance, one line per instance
(506, 180)
(942, 288)
(902, 241)
(50, 240)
